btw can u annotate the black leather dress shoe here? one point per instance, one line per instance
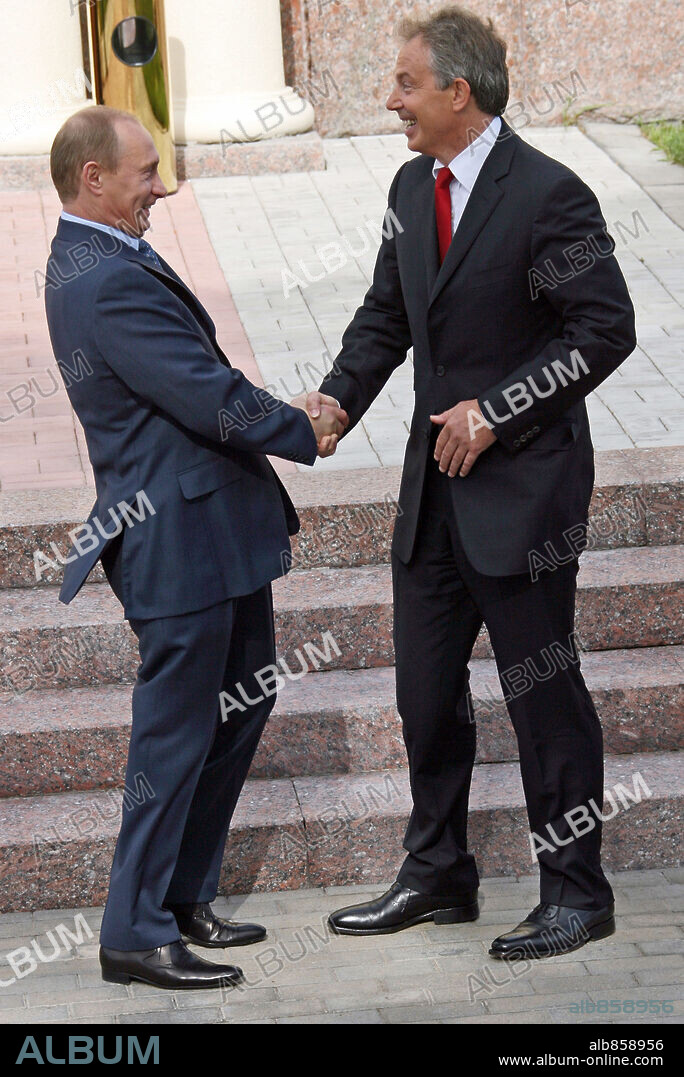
(172, 966)
(400, 908)
(554, 929)
(198, 924)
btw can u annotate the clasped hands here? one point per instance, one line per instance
(328, 419)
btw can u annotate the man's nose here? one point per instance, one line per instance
(159, 190)
(393, 102)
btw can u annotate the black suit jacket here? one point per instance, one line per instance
(165, 414)
(528, 313)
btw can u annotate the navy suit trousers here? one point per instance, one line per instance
(185, 763)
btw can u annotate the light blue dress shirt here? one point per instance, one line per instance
(132, 241)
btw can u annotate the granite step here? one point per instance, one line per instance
(336, 722)
(55, 851)
(626, 598)
(347, 516)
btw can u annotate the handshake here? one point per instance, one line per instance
(328, 419)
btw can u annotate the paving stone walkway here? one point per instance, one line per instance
(662, 180)
(303, 974)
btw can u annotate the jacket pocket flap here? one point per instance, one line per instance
(208, 476)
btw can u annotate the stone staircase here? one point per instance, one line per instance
(328, 799)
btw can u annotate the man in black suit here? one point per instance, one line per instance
(191, 524)
(503, 280)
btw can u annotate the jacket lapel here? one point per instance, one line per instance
(427, 224)
(484, 196)
(176, 285)
(73, 233)
(172, 280)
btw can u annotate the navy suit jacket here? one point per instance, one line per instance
(172, 430)
(529, 281)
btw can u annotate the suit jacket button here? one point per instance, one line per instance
(523, 439)
(535, 429)
(439, 371)
(516, 443)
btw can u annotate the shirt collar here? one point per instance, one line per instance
(132, 241)
(466, 165)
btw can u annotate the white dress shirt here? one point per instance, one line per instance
(466, 167)
(132, 241)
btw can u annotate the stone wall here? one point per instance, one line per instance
(621, 59)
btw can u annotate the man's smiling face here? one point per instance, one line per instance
(427, 111)
(129, 192)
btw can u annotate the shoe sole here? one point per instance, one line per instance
(462, 914)
(223, 945)
(126, 978)
(596, 933)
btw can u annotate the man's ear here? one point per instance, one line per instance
(460, 94)
(91, 177)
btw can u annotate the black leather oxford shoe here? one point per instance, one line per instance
(199, 925)
(554, 929)
(400, 908)
(172, 966)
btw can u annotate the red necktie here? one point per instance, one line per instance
(443, 210)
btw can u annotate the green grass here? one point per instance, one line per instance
(669, 137)
(570, 117)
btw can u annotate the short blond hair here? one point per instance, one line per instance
(88, 135)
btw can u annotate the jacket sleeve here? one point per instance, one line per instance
(148, 340)
(573, 268)
(377, 339)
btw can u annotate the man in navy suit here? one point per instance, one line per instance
(191, 524)
(503, 280)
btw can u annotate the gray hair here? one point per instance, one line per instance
(464, 46)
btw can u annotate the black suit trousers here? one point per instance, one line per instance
(440, 604)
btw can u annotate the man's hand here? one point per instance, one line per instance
(464, 435)
(328, 419)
